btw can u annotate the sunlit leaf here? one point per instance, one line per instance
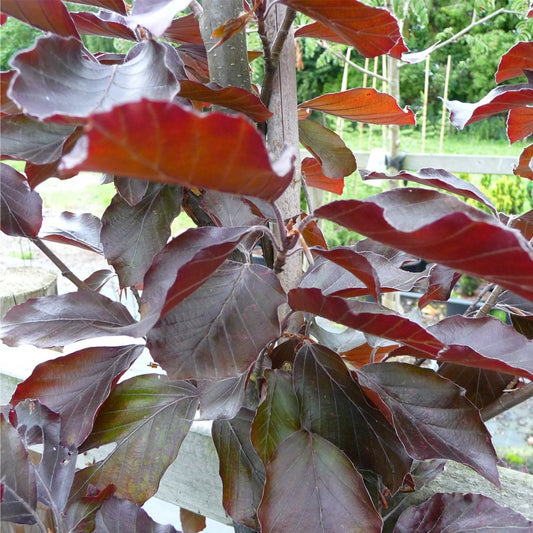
(156, 15)
(230, 28)
(314, 177)
(112, 5)
(104, 23)
(442, 280)
(525, 163)
(515, 61)
(519, 123)
(184, 30)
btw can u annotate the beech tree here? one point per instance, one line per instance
(314, 431)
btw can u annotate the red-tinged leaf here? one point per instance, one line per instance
(329, 149)
(442, 280)
(20, 207)
(231, 28)
(112, 5)
(105, 24)
(213, 151)
(432, 417)
(231, 97)
(367, 317)
(519, 123)
(241, 469)
(221, 399)
(184, 30)
(229, 210)
(18, 486)
(77, 400)
(82, 230)
(131, 190)
(30, 140)
(315, 178)
(117, 516)
(191, 522)
(438, 178)
(277, 416)
(194, 57)
(461, 512)
(220, 331)
(499, 100)
(185, 264)
(51, 16)
(363, 105)
(47, 86)
(515, 61)
(364, 354)
(156, 15)
(132, 236)
(98, 279)
(147, 417)
(58, 320)
(439, 228)
(80, 514)
(524, 224)
(7, 105)
(372, 31)
(344, 416)
(525, 163)
(312, 486)
(313, 235)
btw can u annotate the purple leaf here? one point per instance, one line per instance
(312, 486)
(442, 280)
(131, 190)
(20, 207)
(77, 400)
(103, 23)
(220, 331)
(221, 399)
(432, 417)
(80, 514)
(230, 210)
(461, 512)
(156, 15)
(184, 30)
(132, 236)
(112, 5)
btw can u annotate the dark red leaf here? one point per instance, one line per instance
(312, 486)
(80, 514)
(147, 417)
(52, 76)
(20, 207)
(372, 31)
(219, 332)
(223, 398)
(432, 417)
(329, 149)
(51, 16)
(438, 178)
(519, 123)
(230, 210)
(197, 156)
(525, 163)
(499, 100)
(231, 97)
(315, 178)
(98, 279)
(241, 469)
(7, 105)
(184, 30)
(82, 230)
(439, 228)
(77, 400)
(132, 236)
(461, 512)
(515, 61)
(131, 190)
(156, 15)
(313, 236)
(105, 24)
(363, 105)
(58, 320)
(191, 522)
(442, 280)
(194, 57)
(523, 324)
(112, 5)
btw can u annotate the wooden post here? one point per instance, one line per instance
(425, 108)
(444, 99)
(344, 86)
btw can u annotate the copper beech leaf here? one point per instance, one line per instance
(7, 105)
(312, 486)
(442, 280)
(221, 399)
(191, 522)
(156, 15)
(20, 207)
(147, 417)
(77, 400)
(212, 151)
(372, 31)
(515, 61)
(519, 123)
(220, 331)
(184, 30)
(432, 417)
(363, 105)
(314, 177)
(112, 5)
(439, 228)
(525, 163)
(75, 87)
(80, 514)
(105, 24)
(461, 512)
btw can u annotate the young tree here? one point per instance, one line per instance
(314, 431)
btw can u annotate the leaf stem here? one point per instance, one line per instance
(506, 401)
(490, 302)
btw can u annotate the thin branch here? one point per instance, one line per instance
(307, 195)
(282, 34)
(473, 305)
(197, 9)
(490, 302)
(64, 269)
(506, 401)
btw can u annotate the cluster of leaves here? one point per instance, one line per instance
(337, 434)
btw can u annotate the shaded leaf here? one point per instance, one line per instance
(523, 324)
(312, 486)
(147, 417)
(241, 468)
(438, 228)
(191, 522)
(131, 190)
(519, 123)
(7, 105)
(74, 87)
(525, 163)
(184, 30)
(363, 105)
(219, 332)
(314, 177)
(80, 514)
(432, 417)
(442, 280)
(156, 15)
(336, 159)
(58, 320)
(198, 156)
(231, 97)
(333, 406)
(194, 56)
(103, 23)
(112, 5)
(20, 207)
(461, 512)
(77, 400)
(223, 398)
(515, 61)
(98, 279)
(230, 210)
(372, 31)
(132, 236)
